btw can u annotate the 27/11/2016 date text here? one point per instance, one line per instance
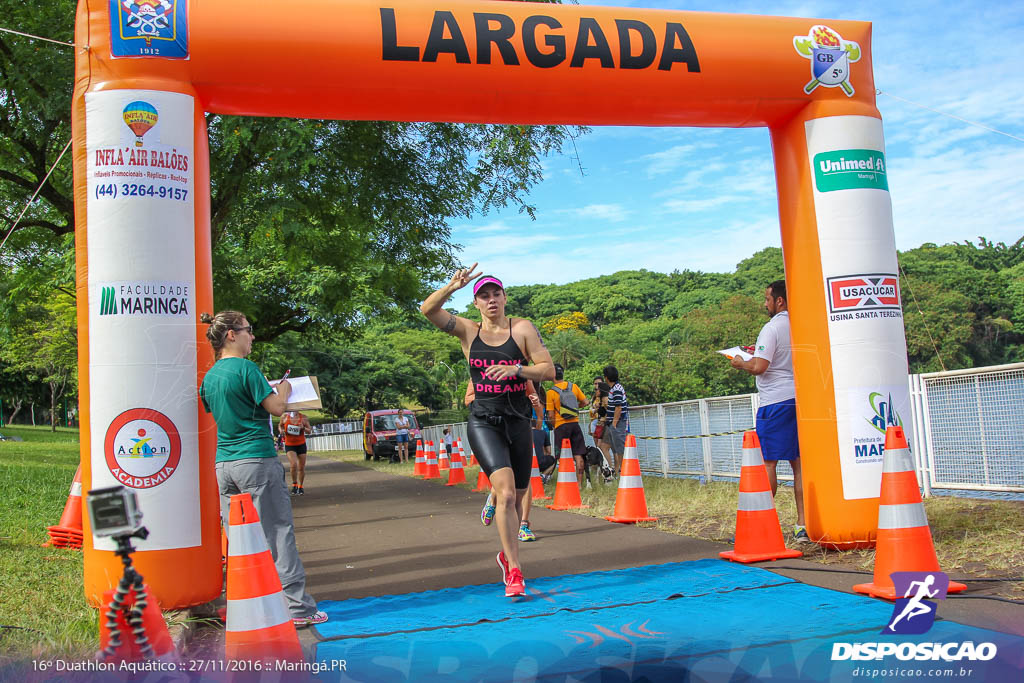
(115, 190)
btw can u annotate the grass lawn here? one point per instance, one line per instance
(42, 610)
(43, 613)
(973, 537)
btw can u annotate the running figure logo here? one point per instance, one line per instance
(914, 613)
(830, 57)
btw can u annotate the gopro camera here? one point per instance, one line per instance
(114, 511)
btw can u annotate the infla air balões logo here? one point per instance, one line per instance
(830, 57)
(149, 28)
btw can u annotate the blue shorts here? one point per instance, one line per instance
(402, 438)
(776, 429)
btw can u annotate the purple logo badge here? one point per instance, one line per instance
(914, 613)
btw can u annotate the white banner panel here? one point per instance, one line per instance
(142, 346)
(862, 295)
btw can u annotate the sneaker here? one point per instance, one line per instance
(544, 478)
(515, 586)
(503, 565)
(301, 491)
(487, 514)
(800, 534)
(295, 489)
(525, 534)
(588, 486)
(317, 617)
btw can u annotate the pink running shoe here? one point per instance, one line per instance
(516, 585)
(503, 564)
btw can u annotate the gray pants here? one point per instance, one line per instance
(263, 478)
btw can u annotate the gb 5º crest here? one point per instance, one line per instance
(830, 57)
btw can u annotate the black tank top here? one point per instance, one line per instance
(505, 397)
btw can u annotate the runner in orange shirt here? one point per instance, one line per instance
(294, 426)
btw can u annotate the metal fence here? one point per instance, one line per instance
(967, 432)
(970, 427)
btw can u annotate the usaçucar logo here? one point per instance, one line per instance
(142, 448)
(874, 291)
(830, 57)
(149, 28)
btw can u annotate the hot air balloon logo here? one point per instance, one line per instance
(140, 117)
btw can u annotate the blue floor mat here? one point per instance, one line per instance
(472, 604)
(775, 633)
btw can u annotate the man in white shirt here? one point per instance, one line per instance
(772, 368)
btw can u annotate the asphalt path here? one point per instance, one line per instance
(366, 533)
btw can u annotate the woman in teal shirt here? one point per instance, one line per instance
(242, 401)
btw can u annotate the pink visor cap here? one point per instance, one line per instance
(487, 280)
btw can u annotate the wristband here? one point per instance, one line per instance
(519, 370)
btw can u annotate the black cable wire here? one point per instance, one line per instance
(985, 597)
(969, 579)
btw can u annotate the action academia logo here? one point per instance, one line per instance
(830, 57)
(914, 614)
(142, 448)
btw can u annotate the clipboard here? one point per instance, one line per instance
(305, 393)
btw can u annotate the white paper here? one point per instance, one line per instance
(736, 351)
(302, 389)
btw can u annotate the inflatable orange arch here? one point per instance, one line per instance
(142, 205)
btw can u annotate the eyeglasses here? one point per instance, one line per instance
(247, 328)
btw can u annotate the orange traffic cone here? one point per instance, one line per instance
(482, 482)
(118, 636)
(758, 534)
(472, 457)
(904, 541)
(456, 475)
(67, 533)
(443, 461)
(259, 626)
(420, 467)
(432, 471)
(536, 483)
(630, 503)
(567, 492)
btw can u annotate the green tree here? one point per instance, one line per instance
(43, 348)
(566, 346)
(316, 224)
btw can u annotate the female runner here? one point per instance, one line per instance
(498, 350)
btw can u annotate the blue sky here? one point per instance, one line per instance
(672, 198)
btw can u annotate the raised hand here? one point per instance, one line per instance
(464, 276)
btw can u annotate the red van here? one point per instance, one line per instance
(379, 433)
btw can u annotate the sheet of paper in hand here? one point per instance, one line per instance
(736, 351)
(305, 393)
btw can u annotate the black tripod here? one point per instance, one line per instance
(130, 580)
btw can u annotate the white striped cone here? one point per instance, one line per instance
(443, 461)
(433, 472)
(630, 503)
(567, 492)
(258, 624)
(536, 483)
(758, 534)
(419, 468)
(456, 475)
(904, 541)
